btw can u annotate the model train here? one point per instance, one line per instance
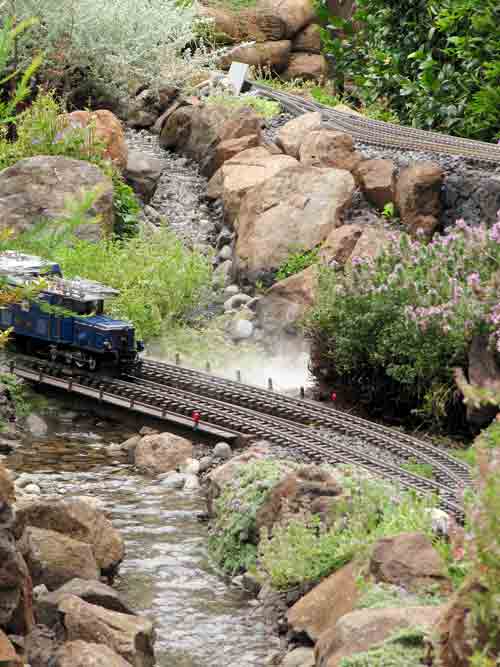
(64, 319)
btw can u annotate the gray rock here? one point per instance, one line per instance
(241, 329)
(192, 483)
(172, 480)
(225, 237)
(143, 173)
(225, 253)
(231, 290)
(205, 463)
(236, 301)
(33, 489)
(190, 467)
(223, 273)
(222, 450)
(36, 426)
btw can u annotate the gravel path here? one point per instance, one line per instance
(180, 197)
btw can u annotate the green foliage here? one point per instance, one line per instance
(24, 399)
(380, 596)
(261, 106)
(125, 207)
(304, 551)
(159, 280)
(405, 649)
(421, 469)
(396, 327)
(296, 262)
(324, 97)
(435, 63)
(10, 32)
(233, 540)
(389, 211)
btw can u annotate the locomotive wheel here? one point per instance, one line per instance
(92, 362)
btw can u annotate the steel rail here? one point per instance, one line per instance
(383, 134)
(161, 399)
(305, 412)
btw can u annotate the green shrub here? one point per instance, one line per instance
(398, 326)
(404, 649)
(444, 71)
(303, 551)
(159, 280)
(125, 207)
(233, 539)
(261, 106)
(380, 596)
(297, 262)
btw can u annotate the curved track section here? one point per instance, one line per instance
(385, 135)
(161, 399)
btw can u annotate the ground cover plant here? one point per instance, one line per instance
(261, 106)
(436, 64)
(397, 327)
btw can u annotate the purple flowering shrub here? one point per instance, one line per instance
(397, 326)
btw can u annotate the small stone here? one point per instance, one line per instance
(241, 329)
(36, 426)
(23, 480)
(231, 290)
(190, 467)
(33, 489)
(222, 450)
(225, 253)
(173, 480)
(192, 483)
(236, 301)
(205, 463)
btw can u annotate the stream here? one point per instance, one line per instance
(200, 620)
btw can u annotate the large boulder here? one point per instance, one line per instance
(418, 197)
(7, 489)
(39, 187)
(143, 173)
(298, 207)
(353, 241)
(407, 560)
(229, 148)
(255, 24)
(16, 611)
(162, 452)
(293, 133)
(305, 491)
(55, 559)
(286, 303)
(80, 521)
(132, 637)
(237, 176)
(296, 14)
(305, 66)
(378, 181)
(329, 148)
(322, 607)
(361, 630)
(196, 131)
(308, 40)
(93, 592)
(272, 55)
(83, 654)
(101, 125)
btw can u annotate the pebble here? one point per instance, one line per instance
(241, 329)
(231, 290)
(32, 489)
(222, 450)
(192, 483)
(173, 480)
(190, 467)
(205, 463)
(236, 301)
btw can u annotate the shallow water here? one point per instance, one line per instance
(200, 620)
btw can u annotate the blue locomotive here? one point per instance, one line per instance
(65, 319)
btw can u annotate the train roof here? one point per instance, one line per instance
(80, 289)
(18, 264)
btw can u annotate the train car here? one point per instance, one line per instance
(65, 320)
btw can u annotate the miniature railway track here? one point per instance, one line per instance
(382, 134)
(304, 412)
(162, 399)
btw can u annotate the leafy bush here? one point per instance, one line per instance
(112, 44)
(437, 64)
(396, 327)
(404, 649)
(261, 106)
(296, 262)
(233, 540)
(159, 280)
(303, 551)
(9, 34)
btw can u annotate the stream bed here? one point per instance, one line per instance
(200, 620)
